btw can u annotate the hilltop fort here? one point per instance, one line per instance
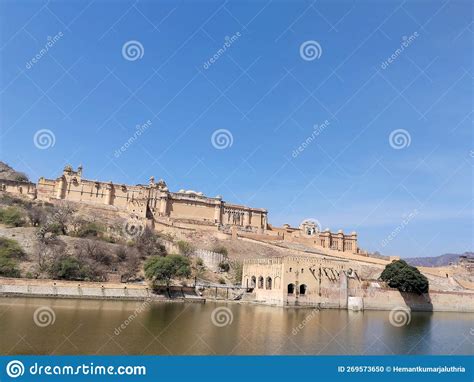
(155, 203)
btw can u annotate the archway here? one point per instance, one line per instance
(253, 282)
(303, 289)
(260, 282)
(268, 283)
(291, 288)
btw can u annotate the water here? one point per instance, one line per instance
(93, 327)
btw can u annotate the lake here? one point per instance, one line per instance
(62, 326)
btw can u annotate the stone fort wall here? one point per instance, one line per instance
(156, 201)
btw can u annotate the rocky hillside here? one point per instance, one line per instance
(437, 261)
(8, 173)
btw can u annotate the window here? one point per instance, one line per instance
(291, 269)
(303, 289)
(268, 283)
(291, 288)
(260, 282)
(253, 282)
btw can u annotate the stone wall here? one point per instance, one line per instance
(437, 301)
(74, 292)
(210, 259)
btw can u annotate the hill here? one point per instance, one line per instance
(437, 261)
(8, 173)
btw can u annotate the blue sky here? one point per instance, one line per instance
(266, 94)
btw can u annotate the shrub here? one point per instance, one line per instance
(224, 266)
(222, 280)
(160, 270)
(237, 268)
(185, 248)
(12, 217)
(406, 278)
(199, 262)
(36, 215)
(10, 248)
(68, 268)
(220, 249)
(8, 267)
(149, 244)
(90, 229)
(121, 253)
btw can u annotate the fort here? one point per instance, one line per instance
(155, 203)
(282, 266)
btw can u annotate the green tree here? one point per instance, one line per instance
(160, 270)
(404, 277)
(68, 268)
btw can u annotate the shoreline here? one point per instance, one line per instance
(73, 290)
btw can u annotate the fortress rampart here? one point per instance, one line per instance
(156, 202)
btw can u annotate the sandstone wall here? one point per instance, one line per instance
(388, 299)
(210, 259)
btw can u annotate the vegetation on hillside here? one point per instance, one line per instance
(161, 270)
(404, 277)
(10, 253)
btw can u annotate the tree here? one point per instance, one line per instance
(406, 278)
(68, 268)
(149, 244)
(160, 270)
(62, 217)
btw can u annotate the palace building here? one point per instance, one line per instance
(155, 202)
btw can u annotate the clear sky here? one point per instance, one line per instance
(380, 92)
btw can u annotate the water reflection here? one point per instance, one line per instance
(115, 327)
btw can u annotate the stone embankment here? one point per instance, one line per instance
(91, 290)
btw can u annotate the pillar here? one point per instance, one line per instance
(108, 194)
(246, 218)
(59, 192)
(217, 213)
(163, 204)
